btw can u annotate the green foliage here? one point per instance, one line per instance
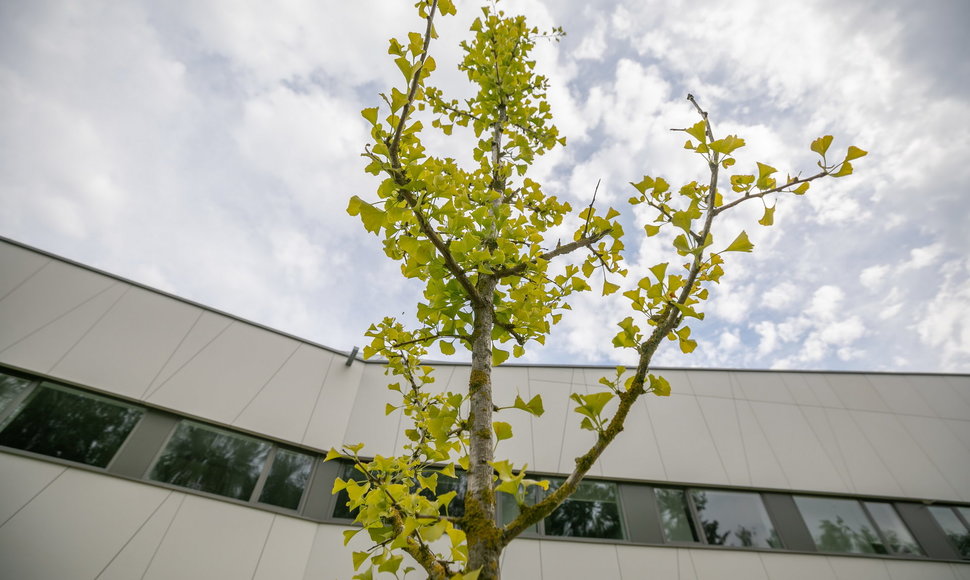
(479, 238)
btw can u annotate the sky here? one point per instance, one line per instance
(208, 149)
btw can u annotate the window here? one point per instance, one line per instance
(287, 478)
(955, 522)
(64, 423)
(715, 517)
(847, 525)
(734, 518)
(675, 515)
(212, 460)
(894, 531)
(592, 511)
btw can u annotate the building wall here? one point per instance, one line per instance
(899, 436)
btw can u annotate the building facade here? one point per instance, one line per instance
(145, 436)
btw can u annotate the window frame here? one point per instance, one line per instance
(35, 387)
(253, 498)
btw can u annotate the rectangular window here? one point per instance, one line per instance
(287, 478)
(593, 511)
(675, 515)
(212, 460)
(68, 424)
(734, 518)
(897, 537)
(840, 525)
(956, 528)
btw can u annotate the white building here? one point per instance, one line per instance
(144, 436)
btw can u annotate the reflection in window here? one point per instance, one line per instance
(64, 423)
(11, 387)
(287, 479)
(956, 530)
(894, 531)
(675, 515)
(211, 460)
(592, 511)
(839, 525)
(730, 518)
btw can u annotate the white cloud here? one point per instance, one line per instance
(873, 276)
(945, 321)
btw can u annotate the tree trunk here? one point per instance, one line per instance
(484, 538)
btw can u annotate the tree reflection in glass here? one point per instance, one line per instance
(732, 518)
(10, 388)
(839, 525)
(675, 515)
(897, 535)
(591, 512)
(955, 530)
(211, 460)
(287, 479)
(70, 425)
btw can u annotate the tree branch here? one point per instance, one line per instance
(778, 189)
(560, 250)
(667, 322)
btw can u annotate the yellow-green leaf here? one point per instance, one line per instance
(447, 348)
(821, 145)
(769, 217)
(855, 153)
(801, 189)
(765, 171)
(359, 558)
(534, 405)
(740, 244)
(370, 114)
(609, 287)
(348, 534)
(698, 131)
(371, 217)
(846, 169)
(499, 356)
(502, 430)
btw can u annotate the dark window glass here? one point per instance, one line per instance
(675, 515)
(70, 425)
(340, 509)
(894, 531)
(212, 460)
(11, 387)
(591, 512)
(731, 518)
(955, 529)
(287, 479)
(839, 525)
(509, 509)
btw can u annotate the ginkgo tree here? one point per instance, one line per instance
(478, 236)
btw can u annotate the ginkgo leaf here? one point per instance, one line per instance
(502, 430)
(769, 217)
(740, 244)
(821, 145)
(855, 153)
